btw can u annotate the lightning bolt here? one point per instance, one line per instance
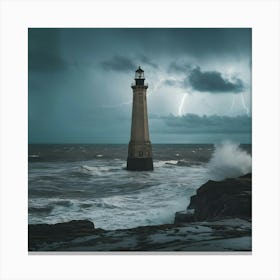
(244, 104)
(180, 109)
(232, 103)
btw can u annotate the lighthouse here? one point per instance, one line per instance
(140, 148)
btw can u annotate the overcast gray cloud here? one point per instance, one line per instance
(44, 52)
(147, 61)
(179, 68)
(119, 63)
(172, 83)
(198, 42)
(127, 64)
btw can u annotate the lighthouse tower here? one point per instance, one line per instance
(140, 148)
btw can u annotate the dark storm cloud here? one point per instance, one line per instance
(197, 42)
(44, 53)
(213, 82)
(148, 61)
(173, 83)
(203, 81)
(119, 63)
(45, 45)
(179, 68)
(127, 64)
(214, 123)
(219, 41)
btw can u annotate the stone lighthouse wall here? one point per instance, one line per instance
(139, 125)
(140, 149)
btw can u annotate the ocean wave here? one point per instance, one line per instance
(99, 189)
(103, 204)
(43, 210)
(85, 205)
(181, 162)
(161, 163)
(96, 168)
(40, 204)
(65, 203)
(187, 163)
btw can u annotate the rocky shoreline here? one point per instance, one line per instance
(230, 198)
(218, 219)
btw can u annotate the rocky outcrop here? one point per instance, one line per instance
(215, 236)
(230, 198)
(218, 219)
(45, 233)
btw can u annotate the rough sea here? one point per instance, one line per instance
(67, 182)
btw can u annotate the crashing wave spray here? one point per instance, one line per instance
(229, 161)
(180, 109)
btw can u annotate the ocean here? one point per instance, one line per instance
(70, 182)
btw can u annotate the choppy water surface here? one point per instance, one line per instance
(69, 182)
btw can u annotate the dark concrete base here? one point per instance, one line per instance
(140, 164)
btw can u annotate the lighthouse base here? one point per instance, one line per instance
(140, 164)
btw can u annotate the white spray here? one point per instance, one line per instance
(229, 161)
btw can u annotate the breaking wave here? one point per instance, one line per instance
(77, 185)
(161, 163)
(96, 170)
(228, 161)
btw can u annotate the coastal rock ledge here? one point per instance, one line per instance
(47, 233)
(215, 200)
(218, 219)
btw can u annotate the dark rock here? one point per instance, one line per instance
(218, 236)
(184, 217)
(39, 233)
(220, 199)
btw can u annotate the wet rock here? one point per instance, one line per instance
(44, 233)
(184, 217)
(220, 199)
(218, 236)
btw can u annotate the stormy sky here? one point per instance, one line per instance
(79, 84)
